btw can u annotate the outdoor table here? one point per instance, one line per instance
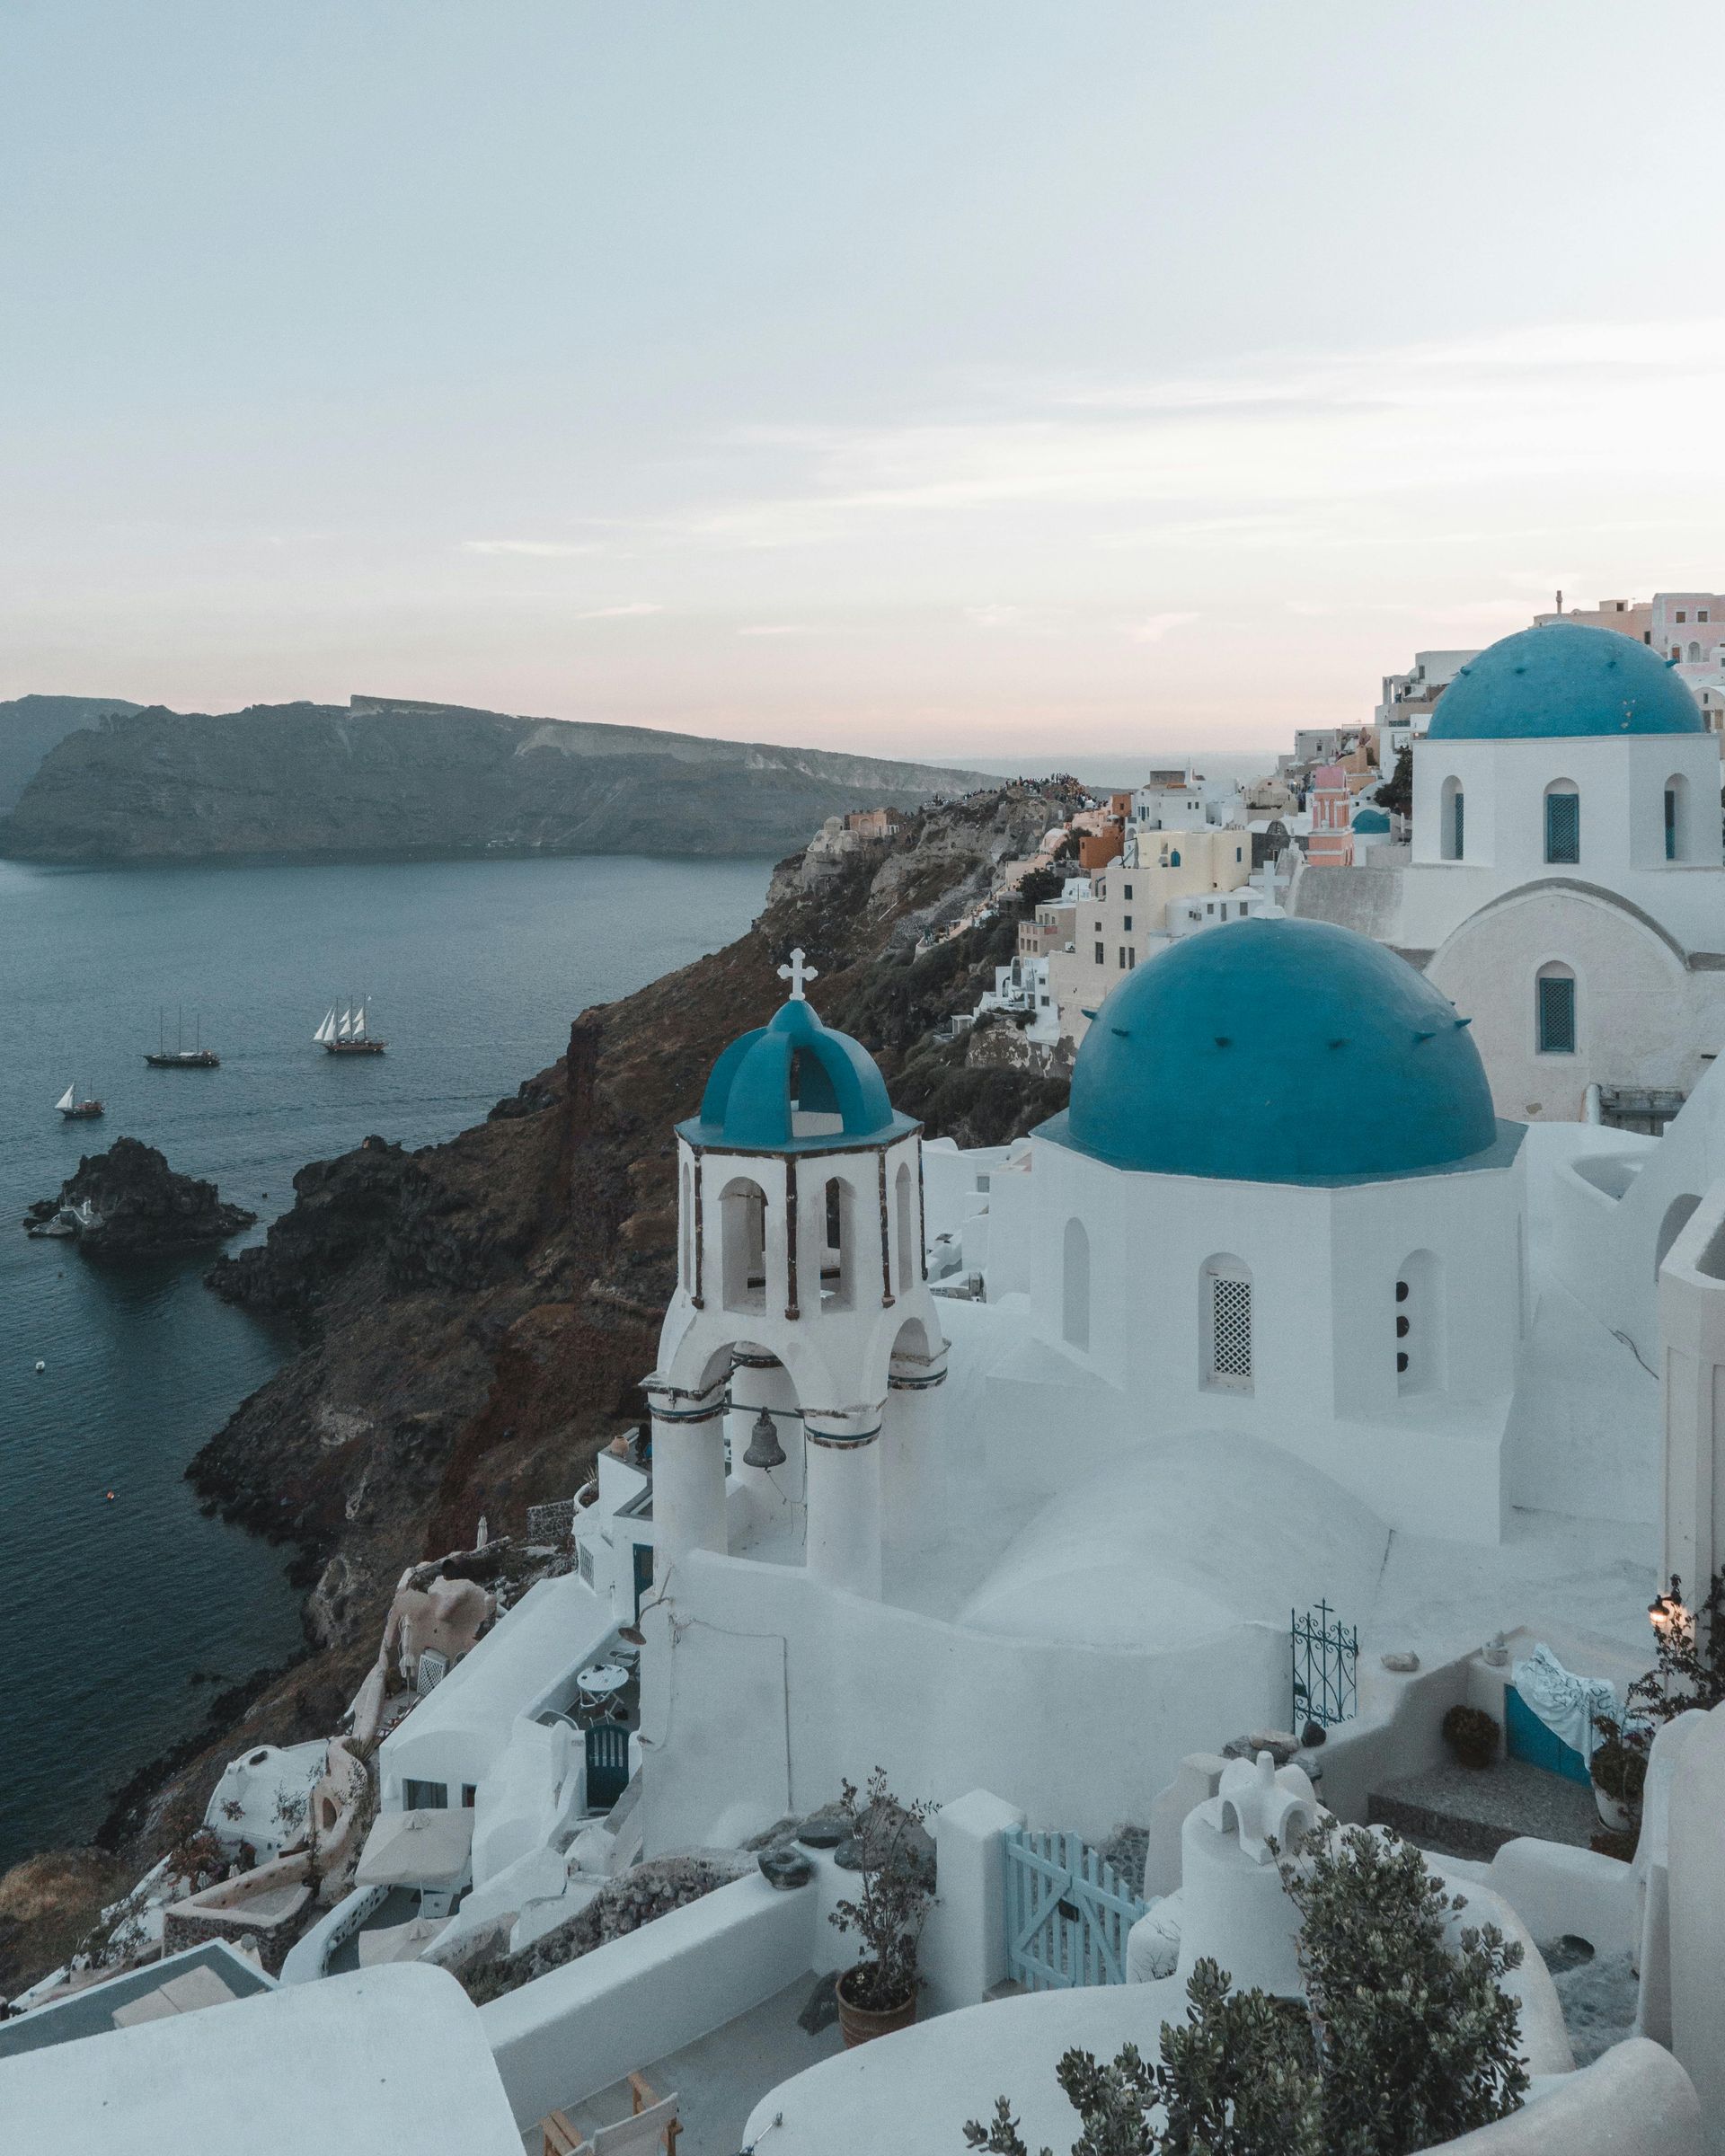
(599, 1680)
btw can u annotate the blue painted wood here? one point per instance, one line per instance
(1067, 1912)
(608, 1764)
(1525, 1737)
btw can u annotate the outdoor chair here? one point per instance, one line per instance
(653, 2125)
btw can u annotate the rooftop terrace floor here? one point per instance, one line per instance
(718, 2079)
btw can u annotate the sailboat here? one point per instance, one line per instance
(76, 1111)
(348, 1034)
(181, 1057)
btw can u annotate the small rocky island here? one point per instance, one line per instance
(128, 1203)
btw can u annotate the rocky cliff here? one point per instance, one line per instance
(132, 1204)
(383, 777)
(476, 1318)
(30, 726)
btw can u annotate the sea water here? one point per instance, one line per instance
(121, 1607)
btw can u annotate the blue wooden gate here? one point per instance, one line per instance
(1067, 1912)
(608, 1764)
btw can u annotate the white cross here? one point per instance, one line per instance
(798, 974)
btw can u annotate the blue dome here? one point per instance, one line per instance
(1372, 821)
(794, 1066)
(1564, 680)
(1271, 1051)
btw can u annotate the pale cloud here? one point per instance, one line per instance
(1155, 626)
(778, 629)
(537, 550)
(620, 613)
(1281, 447)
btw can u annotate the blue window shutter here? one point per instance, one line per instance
(1556, 1015)
(1562, 827)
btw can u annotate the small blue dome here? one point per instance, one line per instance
(1562, 680)
(1274, 1051)
(795, 1066)
(1372, 822)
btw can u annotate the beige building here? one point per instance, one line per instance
(1133, 912)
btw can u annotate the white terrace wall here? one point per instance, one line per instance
(778, 1688)
(574, 2031)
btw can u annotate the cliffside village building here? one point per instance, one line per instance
(1181, 1465)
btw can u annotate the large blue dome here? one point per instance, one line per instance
(1562, 680)
(1277, 1051)
(794, 1069)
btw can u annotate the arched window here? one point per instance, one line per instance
(1563, 821)
(1694, 654)
(838, 1240)
(1450, 834)
(742, 1212)
(1555, 1010)
(1173, 859)
(1074, 1286)
(1676, 1219)
(1420, 1323)
(905, 1224)
(1677, 805)
(1226, 1317)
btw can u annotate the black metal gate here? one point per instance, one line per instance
(1325, 1657)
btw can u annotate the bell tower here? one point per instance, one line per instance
(803, 1325)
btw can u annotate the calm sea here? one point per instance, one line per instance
(114, 1592)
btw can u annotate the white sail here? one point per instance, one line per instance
(64, 1100)
(360, 1023)
(344, 1031)
(326, 1031)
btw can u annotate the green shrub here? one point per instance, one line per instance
(1404, 2041)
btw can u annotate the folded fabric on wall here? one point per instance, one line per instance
(1566, 1704)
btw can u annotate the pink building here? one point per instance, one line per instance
(1331, 842)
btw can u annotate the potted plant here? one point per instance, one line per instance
(1619, 1771)
(1472, 1736)
(877, 1993)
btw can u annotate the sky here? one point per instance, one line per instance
(976, 379)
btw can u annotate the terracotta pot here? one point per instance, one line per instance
(860, 2025)
(1613, 1813)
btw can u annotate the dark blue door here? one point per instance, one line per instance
(608, 1764)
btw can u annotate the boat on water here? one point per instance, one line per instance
(76, 1111)
(180, 1057)
(347, 1034)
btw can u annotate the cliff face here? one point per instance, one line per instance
(476, 1318)
(143, 1208)
(389, 778)
(30, 726)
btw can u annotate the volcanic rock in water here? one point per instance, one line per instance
(142, 1208)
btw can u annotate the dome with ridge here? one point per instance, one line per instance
(1561, 680)
(1280, 1051)
(794, 1085)
(1372, 822)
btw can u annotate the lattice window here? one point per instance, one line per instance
(1556, 1015)
(1563, 827)
(1230, 1330)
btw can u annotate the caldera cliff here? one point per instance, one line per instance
(476, 1318)
(383, 777)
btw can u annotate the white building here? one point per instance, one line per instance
(1259, 1309)
(1566, 873)
(1280, 1203)
(1407, 701)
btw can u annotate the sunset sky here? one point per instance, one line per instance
(969, 378)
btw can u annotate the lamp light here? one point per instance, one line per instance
(763, 1447)
(1667, 1614)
